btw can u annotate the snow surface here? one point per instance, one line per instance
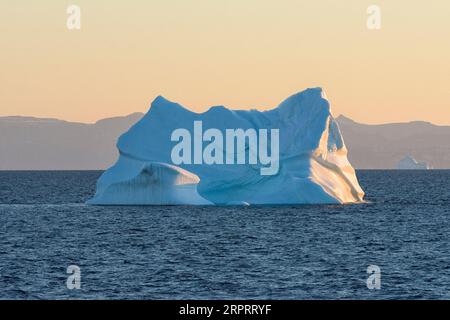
(313, 167)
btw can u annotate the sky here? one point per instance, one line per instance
(242, 54)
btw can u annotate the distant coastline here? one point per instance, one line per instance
(30, 143)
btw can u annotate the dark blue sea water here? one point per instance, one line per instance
(292, 252)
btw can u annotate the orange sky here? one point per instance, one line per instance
(237, 53)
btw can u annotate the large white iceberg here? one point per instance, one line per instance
(312, 169)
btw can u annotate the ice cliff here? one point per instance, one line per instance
(312, 166)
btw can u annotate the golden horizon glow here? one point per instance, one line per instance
(241, 54)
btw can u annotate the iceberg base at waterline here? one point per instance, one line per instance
(311, 163)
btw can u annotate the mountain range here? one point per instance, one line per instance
(383, 146)
(28, 143)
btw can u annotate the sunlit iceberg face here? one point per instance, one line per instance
(293, 154)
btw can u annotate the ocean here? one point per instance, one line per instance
(254, 252)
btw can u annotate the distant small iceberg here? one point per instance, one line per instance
(409, 163)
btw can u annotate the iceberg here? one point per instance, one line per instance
(409, 163)
(309, 162)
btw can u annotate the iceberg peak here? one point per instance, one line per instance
(161, 102)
